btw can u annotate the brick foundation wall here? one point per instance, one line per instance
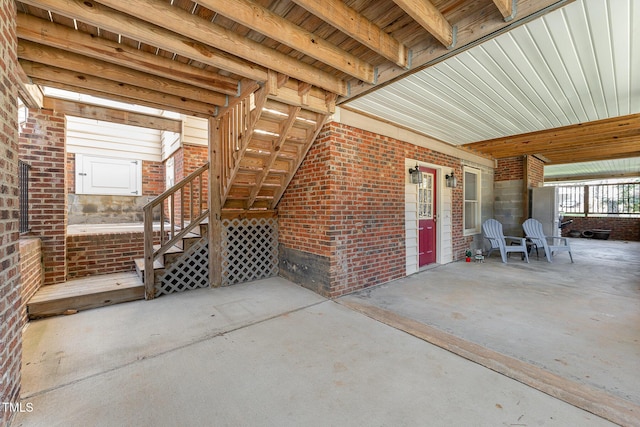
(104, 253)
(621, 228)
(341, 220)
(10, 282)
(42, 145)
(31, 270)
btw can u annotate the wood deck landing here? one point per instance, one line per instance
(85, 293)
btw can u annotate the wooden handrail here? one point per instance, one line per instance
(167, 239)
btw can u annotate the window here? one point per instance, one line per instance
(108, 176)
(471, 201)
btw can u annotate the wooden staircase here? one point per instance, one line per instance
(257, 145)
(264, 138)
(172, 253)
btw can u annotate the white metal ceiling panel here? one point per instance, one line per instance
(578, 64)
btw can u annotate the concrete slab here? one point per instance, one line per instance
(316, 366)
(61, 350)
(578, 321)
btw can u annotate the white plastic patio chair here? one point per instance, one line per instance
(492, 230)
(534, 232)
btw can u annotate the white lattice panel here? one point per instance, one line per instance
(249, 249)
(190, 271)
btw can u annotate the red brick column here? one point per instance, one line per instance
(42, 145)
(10, 282)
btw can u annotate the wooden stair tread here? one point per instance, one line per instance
(157, 265)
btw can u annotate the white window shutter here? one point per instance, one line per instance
(108, 176)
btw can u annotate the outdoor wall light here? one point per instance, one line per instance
(416, 175)
(452, 182)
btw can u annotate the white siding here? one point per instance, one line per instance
(195, 131)
(100, 138)
(411, 226)
(445, 226)
(171, 141)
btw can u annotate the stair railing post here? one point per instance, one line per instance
(149, 279)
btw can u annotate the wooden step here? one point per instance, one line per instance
(85, 293)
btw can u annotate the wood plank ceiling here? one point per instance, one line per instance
(196, 58)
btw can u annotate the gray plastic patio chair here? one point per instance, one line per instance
(534, 232)
(492, 230)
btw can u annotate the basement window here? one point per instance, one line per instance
(108, 176)
(471, 209)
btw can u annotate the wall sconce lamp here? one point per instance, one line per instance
(416, 175)
(452, 182)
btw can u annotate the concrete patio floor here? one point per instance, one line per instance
(272, 353)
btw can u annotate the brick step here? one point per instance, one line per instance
(85, 293)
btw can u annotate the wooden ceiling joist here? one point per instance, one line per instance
(103, 17)
(98, 112)
(507, 8)
(179, 21)
(85, 83)
(71, 61)
(254, 16)
(430, 18)
(51, 34)
(356, 26)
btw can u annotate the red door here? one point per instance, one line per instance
(427, 217)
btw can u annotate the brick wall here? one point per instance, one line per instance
(341, 220)
(509, 169)
(186, 160)
(104, 253)
(42, 145)
(10, 300)
(621, 228)
(535, 171)
(31, 270)
(153, 180)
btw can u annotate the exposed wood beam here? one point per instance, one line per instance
(98, 112)
(430, 18)
(262, 20)
(29, 93)
(601, 151)
(119, 98)
(179, 21)
(592, 156)
(291, 92)
(96, 14)
(109, 89)
(48, 33)
(613, 132)
(72, 61)
(507, 8)
(356, 26)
